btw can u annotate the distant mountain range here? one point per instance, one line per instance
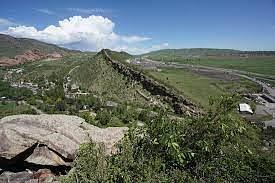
(14, 51)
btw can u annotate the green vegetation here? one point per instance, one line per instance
(217, 147)
(249, 64)
(9, 92)
(123, 115)
(191, 52)
(160, 147)
(119, 56)
(96, 81)
(99, 78)
(199, 88)
(195, 87)
(254, 65)
(37, 72)
(8, 108)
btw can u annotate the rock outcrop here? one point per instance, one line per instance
(48, 141)
(180, 104)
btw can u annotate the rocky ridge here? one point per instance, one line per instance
(180, 104)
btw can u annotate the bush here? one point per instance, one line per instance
(88, 118)
(60, 105)
(217, 147)
(30, 111)
(104, 117)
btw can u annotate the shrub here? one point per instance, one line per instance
(104, 117)
(217, 147)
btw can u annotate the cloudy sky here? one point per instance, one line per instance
(143, 25)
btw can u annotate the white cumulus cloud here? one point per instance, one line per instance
(90, 33)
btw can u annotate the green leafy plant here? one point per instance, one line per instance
(217, 147)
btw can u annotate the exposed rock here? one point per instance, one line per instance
(28, 56)
(40, 176)
(180, 104)
(48, 141)
(53, 137)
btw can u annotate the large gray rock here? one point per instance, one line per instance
(40, 176)
(50, 139)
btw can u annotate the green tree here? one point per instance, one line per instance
(216, 147)
(104, 117)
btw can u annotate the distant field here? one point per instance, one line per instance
(261, 65)
(199, 88)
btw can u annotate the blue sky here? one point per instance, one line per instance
(144, 25)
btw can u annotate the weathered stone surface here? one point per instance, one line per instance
(50, 139)
(40, 176)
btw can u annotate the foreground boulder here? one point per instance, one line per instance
(48, 141)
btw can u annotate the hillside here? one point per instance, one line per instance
(15, 51)
(106, 91)
(203, 52)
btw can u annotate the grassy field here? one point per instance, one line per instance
(199, 88)
(261, 65)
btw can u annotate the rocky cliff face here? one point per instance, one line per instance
(180, 104)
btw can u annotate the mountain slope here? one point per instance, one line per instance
(11, 46)
(14, 51)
